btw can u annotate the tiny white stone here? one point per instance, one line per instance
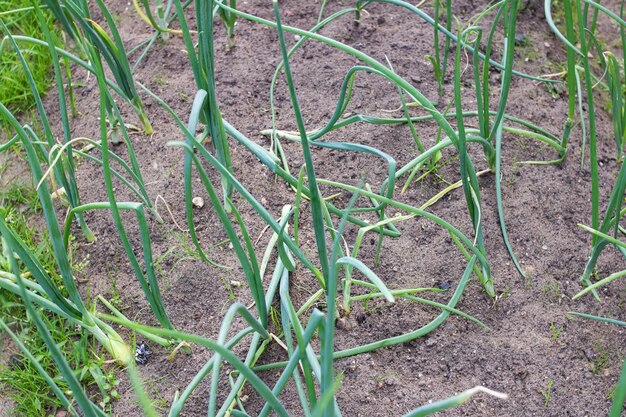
(198, 202)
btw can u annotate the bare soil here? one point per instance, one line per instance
(520, 355)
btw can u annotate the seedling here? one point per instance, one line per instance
(552, 291)
(600, 358)
(547, 392)
(555, 331)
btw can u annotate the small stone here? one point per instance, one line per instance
(547, 44)
(430, 342)
(263, 200)
(198, 202)
(345, 324)
(297, 37)
(235, 283)
(142, 353)
(61, 413)
(520, 38)
(444, 285)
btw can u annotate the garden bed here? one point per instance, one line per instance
(548, 363)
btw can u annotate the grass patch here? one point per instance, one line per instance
(15, 93)
(20, 380)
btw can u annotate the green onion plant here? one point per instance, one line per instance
(75, 17)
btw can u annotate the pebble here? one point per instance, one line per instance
(198, 202)
(345, 324)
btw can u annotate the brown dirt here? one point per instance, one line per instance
(543, 205)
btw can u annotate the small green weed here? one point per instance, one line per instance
(601, 358)
(555, 331)
(276, 319)
(159, 79)
(158, 400)
(552, 292)
(611, 394)
(382, 377)
(547, 393)
(28, 390)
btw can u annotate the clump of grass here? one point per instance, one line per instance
(26, 387)
(15, 94)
